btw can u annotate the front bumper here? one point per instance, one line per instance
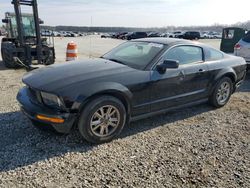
(31, 110)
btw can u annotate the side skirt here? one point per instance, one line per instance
(136, 118)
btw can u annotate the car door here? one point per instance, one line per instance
(187, 83)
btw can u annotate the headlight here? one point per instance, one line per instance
(51, 100)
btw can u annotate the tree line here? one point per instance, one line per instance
(214, 27)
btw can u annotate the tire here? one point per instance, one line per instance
(8, 51)
(95, 120)
(222, 92)
(48, 53)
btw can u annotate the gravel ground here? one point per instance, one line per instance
(193, 147)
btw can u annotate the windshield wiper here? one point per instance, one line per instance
(115, 60)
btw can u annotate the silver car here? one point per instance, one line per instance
(242, 48)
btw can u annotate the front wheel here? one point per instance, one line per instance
(102, 119)
(8, 51)
(222, 92)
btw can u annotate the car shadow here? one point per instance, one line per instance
(21, 144)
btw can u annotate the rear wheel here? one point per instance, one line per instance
(222, 92)
(48, 54)
(102, 119)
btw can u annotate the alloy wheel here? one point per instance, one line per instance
(223, 93)
(105, 121)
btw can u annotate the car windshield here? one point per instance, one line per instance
(134, 54)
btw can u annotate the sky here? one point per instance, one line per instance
(138, 13)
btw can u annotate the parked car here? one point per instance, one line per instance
(114, 35)
(190, 35)
(62, 34)
(105, 35)
(46, 33)
(135, 80)
(214, 35)
(165, 35)
(175, 34)
(136, 35)
(71, 34)
(242, 48)
(122, 35)
(204, 34)
(56, 34)
(154, 34)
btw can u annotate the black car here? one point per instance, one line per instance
(135, 80)
(190, 35)
(136, 35)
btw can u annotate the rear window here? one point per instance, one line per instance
(246, 38)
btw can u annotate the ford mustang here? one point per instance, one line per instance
(135, 80)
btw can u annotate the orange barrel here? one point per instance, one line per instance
(71, 53)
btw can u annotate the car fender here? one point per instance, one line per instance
(104, 88)
(229, 72)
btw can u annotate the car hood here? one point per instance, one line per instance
(56, 77)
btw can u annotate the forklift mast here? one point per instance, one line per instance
(17, 6)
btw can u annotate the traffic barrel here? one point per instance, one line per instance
(72, 52)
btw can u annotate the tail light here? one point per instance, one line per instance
(237, 46)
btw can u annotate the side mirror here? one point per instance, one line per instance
(167, 64)
(5, 21)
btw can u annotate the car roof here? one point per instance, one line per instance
(167, 41)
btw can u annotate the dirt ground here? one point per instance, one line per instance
(192, 147)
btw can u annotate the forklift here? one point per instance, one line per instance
(24, 46)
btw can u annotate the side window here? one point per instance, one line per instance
(185, 54)
(212, 55)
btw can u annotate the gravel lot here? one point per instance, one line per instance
(193, 147)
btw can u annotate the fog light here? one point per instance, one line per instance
(50, 119)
